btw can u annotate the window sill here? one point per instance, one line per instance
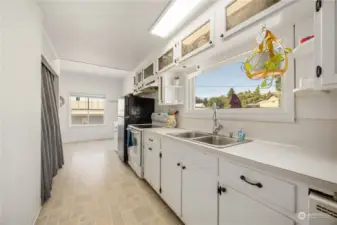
(88, 125)
(239, 115)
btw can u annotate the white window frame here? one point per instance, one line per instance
(85, 96)
(286, 113)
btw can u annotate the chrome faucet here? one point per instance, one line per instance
(216, 125)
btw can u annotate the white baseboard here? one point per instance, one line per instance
(37, 215)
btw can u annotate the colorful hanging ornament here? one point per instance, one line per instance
(269, 59)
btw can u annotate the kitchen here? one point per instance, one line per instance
(285, 151)
(174, 112)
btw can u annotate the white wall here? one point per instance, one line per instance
(128, 84)
(20, 124)
(112, 88)
(48, 50)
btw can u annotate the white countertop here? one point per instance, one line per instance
(290, 158)
(165, 130)
(285, 157)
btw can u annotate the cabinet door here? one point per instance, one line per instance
(160, 90)
(325, 41)
(171, 182)
(238, 209)
(155, 168)
(147, 164)
(199, 197)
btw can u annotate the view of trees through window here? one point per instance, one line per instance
(229, 87)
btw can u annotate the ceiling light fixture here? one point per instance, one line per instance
(174, 15)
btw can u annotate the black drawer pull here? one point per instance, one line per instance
(178, 164)
(150, 149)
(259, 185)
(184, 167)
(150, 139)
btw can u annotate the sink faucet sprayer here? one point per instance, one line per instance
(216, 125)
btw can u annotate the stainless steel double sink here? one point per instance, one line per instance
(209, 139)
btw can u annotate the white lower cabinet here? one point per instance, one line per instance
(199, 197)
(191, 192)
(171, 182)
(190, 186)
(238, 209)
(152, 166)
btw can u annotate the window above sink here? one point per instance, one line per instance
(238, 97)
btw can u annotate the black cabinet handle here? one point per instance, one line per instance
(318, 5)
(221, 190)
(150, 149)
(210, 42)
(184, 167)
(222, 35)
(258, 184)
(178, 164)
(150, 139)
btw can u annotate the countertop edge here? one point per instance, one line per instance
(305, 177)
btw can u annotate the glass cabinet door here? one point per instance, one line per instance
(196, 39)
(149, 71)
(134, 80)
(239, 11)
(165, 60)
(139, 77)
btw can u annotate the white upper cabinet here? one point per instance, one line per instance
(139, 76)
(198, 38)
(325, 41)
(170, 89)
(149, 72)
(166, 60)
(239, 14)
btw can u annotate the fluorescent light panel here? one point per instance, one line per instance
(174, 16)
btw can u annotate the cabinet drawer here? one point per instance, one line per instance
(151, 140)
(238, 209)
(200, 160)
(258, 185)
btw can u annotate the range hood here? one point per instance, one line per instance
(149, 86)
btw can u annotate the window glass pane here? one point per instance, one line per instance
(241, 10)
(96, 103)
(229, 87)
(79, 117)
(197, 39)
(87, 110)
(79, 102)
(96, 112)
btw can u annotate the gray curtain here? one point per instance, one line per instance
(51, 142)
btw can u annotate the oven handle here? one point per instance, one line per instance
(135, 132)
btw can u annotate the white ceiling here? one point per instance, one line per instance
(110, 33)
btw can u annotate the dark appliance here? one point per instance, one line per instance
(131, 110)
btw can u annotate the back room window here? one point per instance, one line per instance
(86, 110)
